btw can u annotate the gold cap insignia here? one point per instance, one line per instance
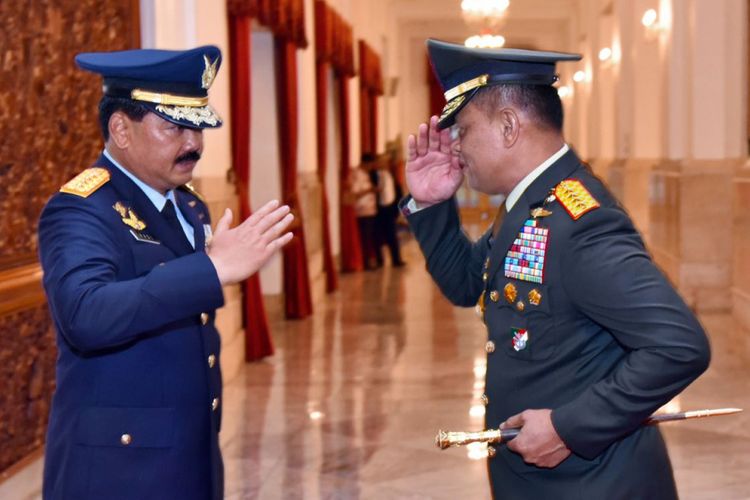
(209, 73)
(86, 182)
(451, 106)
(510, 293)
(575, 199)
(129, 217)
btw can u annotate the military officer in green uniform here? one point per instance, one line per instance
(586, 337)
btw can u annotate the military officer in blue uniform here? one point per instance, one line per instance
(134, 276)
(586, 337)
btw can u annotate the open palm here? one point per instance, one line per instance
(433, 170)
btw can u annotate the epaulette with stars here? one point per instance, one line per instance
(575, 198)
(87, 182)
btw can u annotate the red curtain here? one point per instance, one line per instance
(437, 99)
(297, 297)
(323, 46)
(371, 86)
(258, 343)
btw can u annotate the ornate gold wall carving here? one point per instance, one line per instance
(49, 131)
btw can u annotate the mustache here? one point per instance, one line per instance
(189, 156)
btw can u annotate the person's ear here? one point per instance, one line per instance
(510, 126)
(120, 129)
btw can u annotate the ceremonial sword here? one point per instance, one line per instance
(445, 440)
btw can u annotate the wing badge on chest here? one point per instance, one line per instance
(130, 219)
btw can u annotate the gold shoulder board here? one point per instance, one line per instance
(86, 182)
(190, 189)
(575, 198)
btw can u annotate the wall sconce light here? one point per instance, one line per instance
(652, 22)
(579, 76)
(605, 54)
(650, 18)
(564, 92)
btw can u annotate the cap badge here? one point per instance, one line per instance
(209, 73)
(129, 217)
(520, 338)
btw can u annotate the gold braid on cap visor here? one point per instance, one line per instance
(462, 88)
(168, 99)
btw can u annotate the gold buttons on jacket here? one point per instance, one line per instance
(520, 305)
(204, 318)
(489, 347)
(215, 404)
(491, 451)
(494, 295)
(126, 439)
(211, 360)
(485, 400)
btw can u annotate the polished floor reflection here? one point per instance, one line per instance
(349, 406)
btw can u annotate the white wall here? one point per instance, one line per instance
(265, 171)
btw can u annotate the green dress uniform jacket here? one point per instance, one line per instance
(598, 335)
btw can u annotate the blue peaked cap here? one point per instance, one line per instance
(462, 71)
(170, 83)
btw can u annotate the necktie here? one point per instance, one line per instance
(170, 215)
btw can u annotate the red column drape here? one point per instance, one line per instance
(329, 267)
(351, 250)
(323, 46)
(371, 86)
(437, 100)
(297, 296)
(258, 343)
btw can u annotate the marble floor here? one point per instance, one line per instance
(349, 406)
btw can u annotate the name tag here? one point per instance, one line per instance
(144, 238)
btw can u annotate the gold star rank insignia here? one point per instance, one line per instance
(86, 182)
(574, 198)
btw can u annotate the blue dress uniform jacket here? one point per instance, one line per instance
(603, 340)
(136, 413)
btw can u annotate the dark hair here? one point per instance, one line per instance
(108, 105)
(540, 101)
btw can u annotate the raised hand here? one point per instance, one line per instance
(433, 170)
(240, 252)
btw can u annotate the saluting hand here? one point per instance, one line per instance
(538, 442)
(433, 169)
(240, 252)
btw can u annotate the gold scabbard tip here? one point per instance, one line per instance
(441, 440)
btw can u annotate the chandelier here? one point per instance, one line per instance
(485, 41)
(486, 16)
(484, 12)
